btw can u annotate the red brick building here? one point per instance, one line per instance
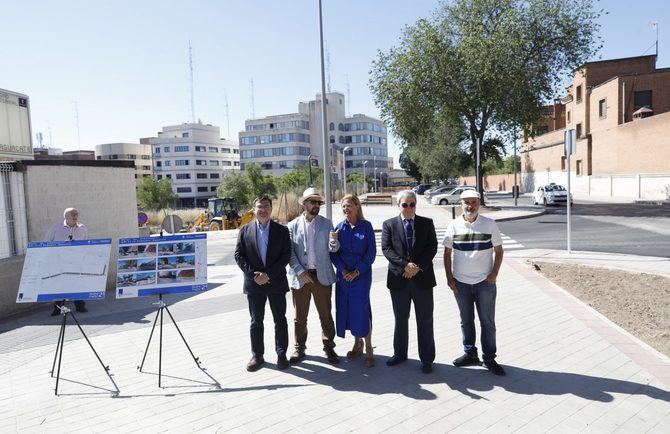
(620, 110)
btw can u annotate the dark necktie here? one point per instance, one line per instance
(409, 233)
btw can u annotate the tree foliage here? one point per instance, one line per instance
(489, 65)
(236, 185)
(410, 167)
(155, 195)
(260, 185)
(298, 179)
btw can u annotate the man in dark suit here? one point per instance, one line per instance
(410, 244)
(263, 251)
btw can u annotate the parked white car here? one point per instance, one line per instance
(452, 196)
(551, 194)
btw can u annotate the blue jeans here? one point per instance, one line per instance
(481, 295)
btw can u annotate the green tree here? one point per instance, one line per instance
(298, 179)
(236, 185)
(410, 167)
(261, 185)
(155, 195)
(491, 64)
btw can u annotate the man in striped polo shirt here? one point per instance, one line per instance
(477, 249)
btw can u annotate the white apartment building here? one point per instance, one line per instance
(195, 158)
(139, 153)
(281, 142)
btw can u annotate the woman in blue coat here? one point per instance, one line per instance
(353, 262)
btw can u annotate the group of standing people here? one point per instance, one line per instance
(310, 245)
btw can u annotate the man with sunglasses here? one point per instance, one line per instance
(409, 244)
(311, 274)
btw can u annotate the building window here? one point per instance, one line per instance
(579, 93)
(167, 163)
(166, 149)
(213, 149)
(580, 168)
(225, 150)
(201, 175)
(168, 176)
(568, 116)
(214, 176)
(202, 189)
(226, 163)
(183, 189)
(200, 148)
(159, 163)
(184, 135)
(213, 162)
(237, 163)
(159, 177)
(145, 157)
(200, 162)
(579, 130)
(181, 148)
(641, 99)
(157, 150)
(183, 176)
(236, 151)
(563, 163)
(331, 127)
(181, 162)
(212, 188)
(602, 108)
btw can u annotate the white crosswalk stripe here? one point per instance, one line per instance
(508, 243)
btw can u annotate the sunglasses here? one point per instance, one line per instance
(410, 205)
(315, 202)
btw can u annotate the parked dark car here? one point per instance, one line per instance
(421, 188)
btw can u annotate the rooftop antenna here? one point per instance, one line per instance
(346, 77)
(327, 68)
(253, 104)
(49, 129)
(190, 68)
(76, 121)
(225, 105)
(654, 24)
(38, 136)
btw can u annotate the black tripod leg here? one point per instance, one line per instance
(61, 334)
(196, 359)
(160, 348)
(60, 351)
(150, 336)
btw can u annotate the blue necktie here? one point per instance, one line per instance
(409, 233)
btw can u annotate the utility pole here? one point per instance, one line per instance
(324, 125)
(225, 104)
(253, 104)
(76, 122)
(191, 92)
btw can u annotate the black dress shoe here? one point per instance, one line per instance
(494, 367)
(282, 362)
(468, 360)
(395, 360)
(426, 368)
(297, 357)
(332, 356)
(255, 364)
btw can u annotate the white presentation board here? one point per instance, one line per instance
(161, 265)
(65, 270)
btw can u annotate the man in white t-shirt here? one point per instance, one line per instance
(477, 254)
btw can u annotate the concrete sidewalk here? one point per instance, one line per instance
(569, 369)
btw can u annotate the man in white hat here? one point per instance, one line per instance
(311, 273)
(477, 249)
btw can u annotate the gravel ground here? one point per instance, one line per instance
(637, 302)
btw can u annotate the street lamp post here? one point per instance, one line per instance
(365, 165)
(344, 169)
(324, 124)
(309, 166)
(374, 163)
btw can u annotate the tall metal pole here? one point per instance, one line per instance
(344, 173)
(365, 181)
(374, 163)
(514, 188)
(324, 126)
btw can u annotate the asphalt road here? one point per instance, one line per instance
(615, 228)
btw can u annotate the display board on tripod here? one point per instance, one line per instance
(65, 270)
(161, 265)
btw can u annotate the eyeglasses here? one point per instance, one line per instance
(410, 205)
(315, 202)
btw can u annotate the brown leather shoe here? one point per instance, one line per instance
(297, 357)
(255, 364)
(332, 356)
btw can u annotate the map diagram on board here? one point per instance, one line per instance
(65, 270)
(161, 265)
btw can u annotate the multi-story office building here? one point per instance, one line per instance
(139, 153)
(281, 142)
(195, 158)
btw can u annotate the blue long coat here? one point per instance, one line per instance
(352, 299)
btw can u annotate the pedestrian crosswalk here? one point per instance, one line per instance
(508, 243)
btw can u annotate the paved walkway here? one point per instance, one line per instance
(569, 369)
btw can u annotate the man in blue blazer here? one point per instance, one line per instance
(311, 273)
(262, 252)
(410, 244)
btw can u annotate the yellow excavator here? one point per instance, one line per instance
(222, 213)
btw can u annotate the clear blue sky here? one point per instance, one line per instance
(126, 62)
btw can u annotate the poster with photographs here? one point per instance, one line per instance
(161, 265)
